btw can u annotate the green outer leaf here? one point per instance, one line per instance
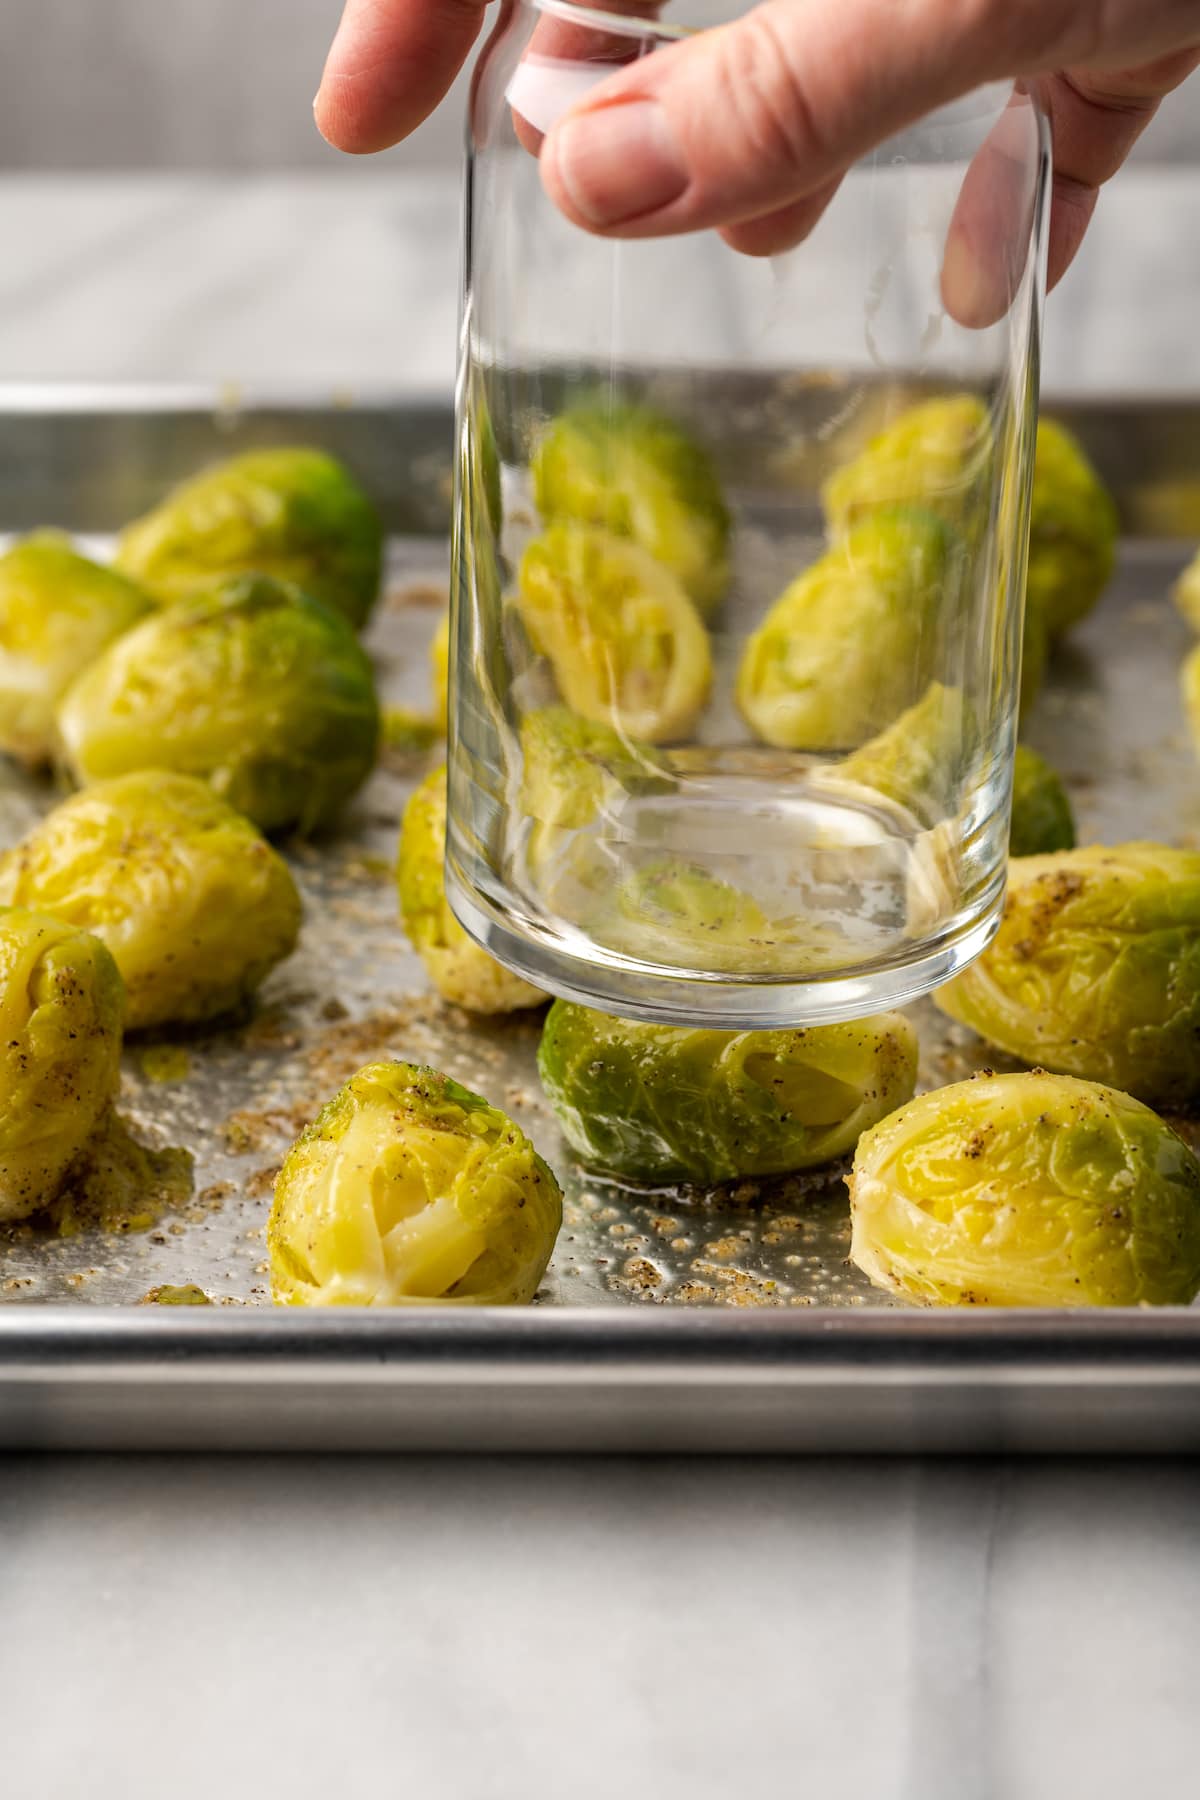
(657, 1103)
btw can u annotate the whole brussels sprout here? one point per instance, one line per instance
(1072, 532)
(655, 1103)
(1186, 593)
(58, 611)
(917, 763)
(1095, 970)
(61, 1006)
(409, 1189)
(622, 466)
(193, 903)
(1027, 1190)
(626, 644)
(293, 513)
(935, 455)
(439, 668)
(1042, 820)
(256, 687)
(844, 649)
(460, 971)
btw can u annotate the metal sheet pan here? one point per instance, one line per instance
(666, 1320)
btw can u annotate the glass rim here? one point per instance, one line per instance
(623, 24)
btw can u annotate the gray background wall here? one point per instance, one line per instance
(220, 84)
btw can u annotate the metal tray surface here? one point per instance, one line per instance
(667, 1319)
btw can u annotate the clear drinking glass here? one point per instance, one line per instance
(739, 566)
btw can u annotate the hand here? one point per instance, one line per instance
(747, 128)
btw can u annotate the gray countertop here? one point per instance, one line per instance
(485, 1629)
(493, 1630)
(349, 280)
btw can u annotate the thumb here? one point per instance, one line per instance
(750, 117)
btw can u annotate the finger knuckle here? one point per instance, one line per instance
(765, 97)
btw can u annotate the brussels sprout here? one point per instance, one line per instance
(58, 611)
(460, 971)
(621, 466)
(439, 668)
(410, 1189)
(1186, 593)
(194, 905)
(574, 772)
(843, 651)
(674, 911)
(408, 731)
(1072, 532)
(917, 763)
(1096, 970)
(679, 915)
(935, 455)
(625, 642)
(1042, 820)
(657, 1103)
(255, 687)
(293, 513)
(1027, 1190)
(61, 1006)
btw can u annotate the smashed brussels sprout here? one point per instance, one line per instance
(1186, 593)
(1072, 532)
(658, 1103)
(409, 1189)
(676, 912)
(1095, 970)
(293, 513)
(61, 1008)
(627, 469)
(1027, 1190)
(193, 903)
(460, 971)
(844, 649)
(679, 915)
(1042, 820)
(58, 611)
(935, 455)
(626, 644)
(256, 687)
(439, 669)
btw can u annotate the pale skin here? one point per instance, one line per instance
(748, 128)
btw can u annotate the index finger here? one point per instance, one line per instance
(390, 64)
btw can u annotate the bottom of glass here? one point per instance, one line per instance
(586, 973)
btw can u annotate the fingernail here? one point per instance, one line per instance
(618, 162)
